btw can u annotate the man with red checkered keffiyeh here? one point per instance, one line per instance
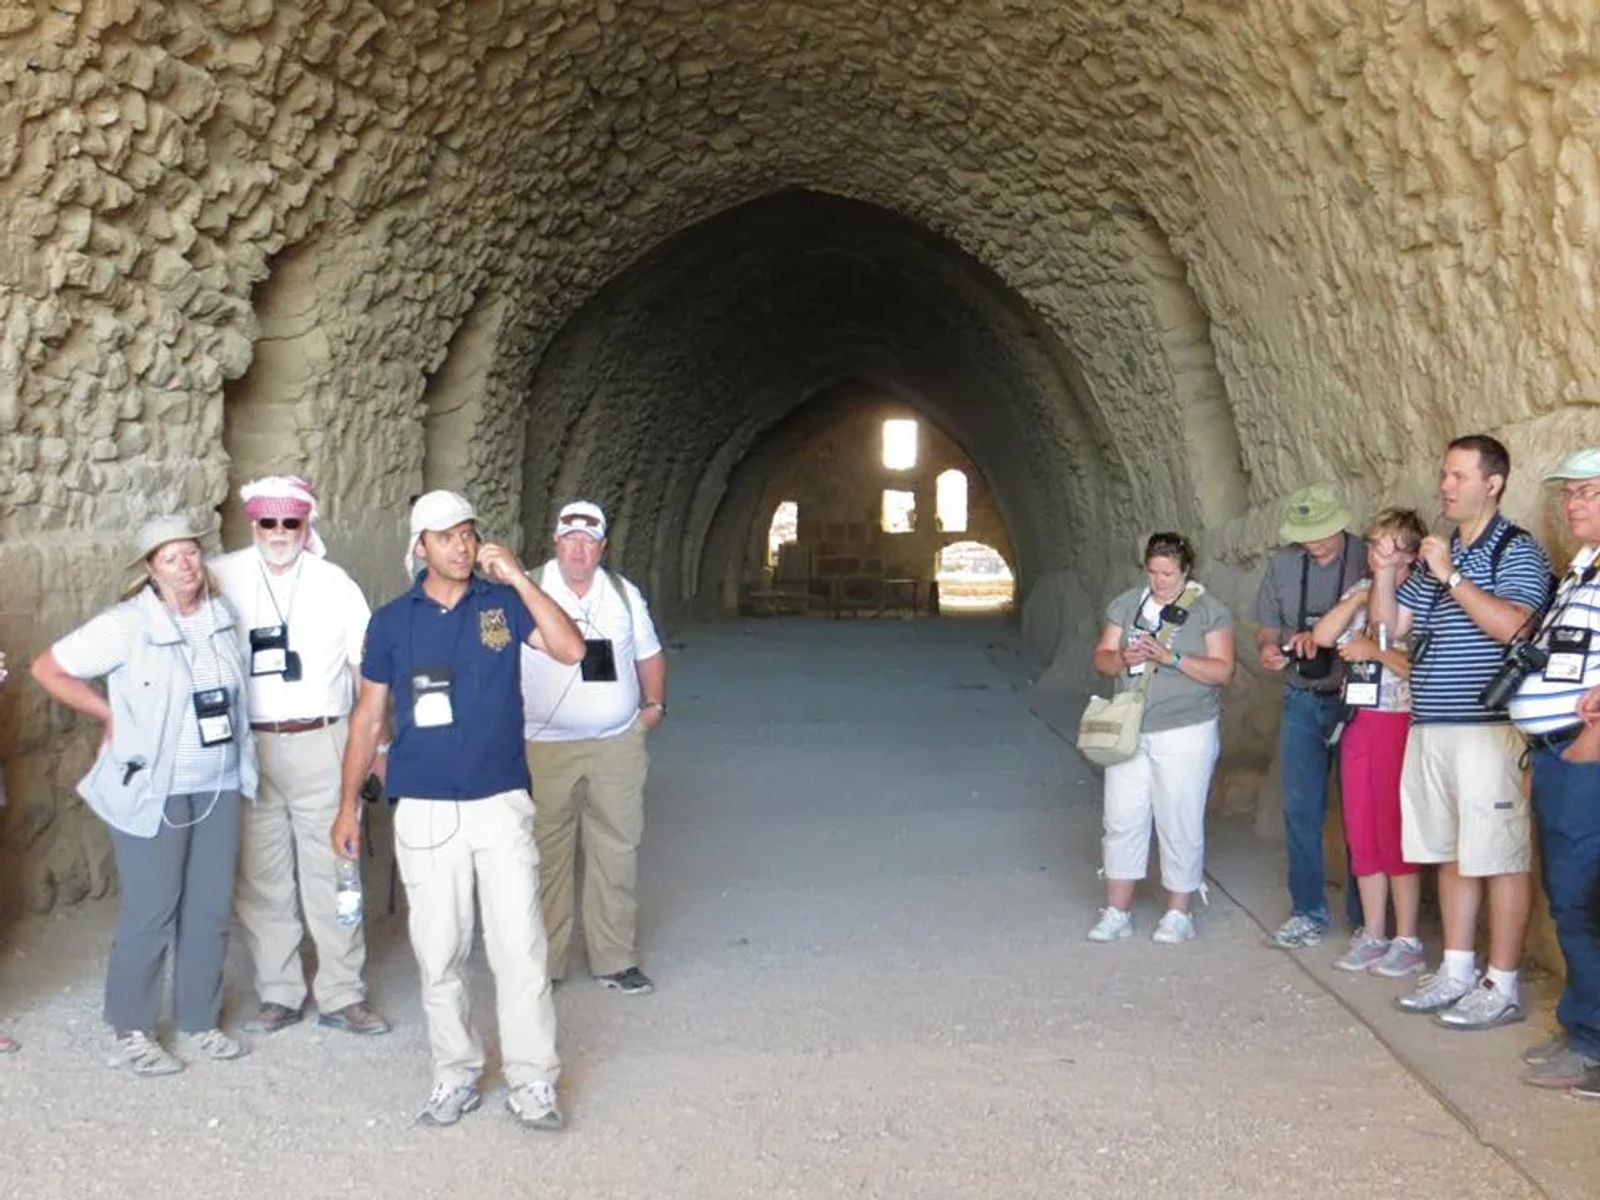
(302, 623)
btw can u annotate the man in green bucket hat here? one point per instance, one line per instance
(1303, 581)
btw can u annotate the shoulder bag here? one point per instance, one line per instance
(1108, 731)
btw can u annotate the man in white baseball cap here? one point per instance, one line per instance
(447, 651)
(589, 722)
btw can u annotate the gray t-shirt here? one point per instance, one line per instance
(1278, 598)
(1174, 700)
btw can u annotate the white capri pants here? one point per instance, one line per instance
(1168, 778)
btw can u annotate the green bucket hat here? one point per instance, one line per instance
(1313, 513)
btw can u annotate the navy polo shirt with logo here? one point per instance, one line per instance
(480, 752)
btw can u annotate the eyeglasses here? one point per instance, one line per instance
(1588, 494)
(289, 523)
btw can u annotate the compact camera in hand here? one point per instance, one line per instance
(1318, 666)
(1522, 659)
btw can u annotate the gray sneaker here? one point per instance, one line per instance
(142, 1054)
(534, 1106)
(1435, 993)
(1484, 1007)
(1403, 957)
(213, 1043)
(632, 982)
(1564, 1069)
(446, 1105)
(1363, 953)
(1538, 1055)
(1300, 932)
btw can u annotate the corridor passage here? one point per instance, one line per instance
(866, 879)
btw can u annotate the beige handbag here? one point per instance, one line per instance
(1108, 731)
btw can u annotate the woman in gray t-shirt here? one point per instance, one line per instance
(1174, 631)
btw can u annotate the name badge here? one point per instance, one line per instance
(430, 699)
(215, 719)
(269, 650)
(1569, 651)
(599, 663)
(1362, 683)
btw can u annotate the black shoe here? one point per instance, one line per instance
(632, 982)
(1589, 1086)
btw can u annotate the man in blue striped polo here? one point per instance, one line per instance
(1566, 778)
(1462, 801)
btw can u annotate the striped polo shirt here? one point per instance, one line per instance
(1460, 658)
(1550, 706)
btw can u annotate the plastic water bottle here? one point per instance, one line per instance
(347, 891)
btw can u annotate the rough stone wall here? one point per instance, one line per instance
(1373, 221)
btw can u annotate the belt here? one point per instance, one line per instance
(294, 726)
(1552, 741)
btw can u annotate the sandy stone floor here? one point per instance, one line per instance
(866, 880)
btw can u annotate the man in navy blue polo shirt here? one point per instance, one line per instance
(448, 651)
(1462, 800)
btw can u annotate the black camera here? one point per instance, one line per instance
(1318, 666)
(1522, 659)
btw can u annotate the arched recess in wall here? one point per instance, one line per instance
(263, 411)
(452, 397)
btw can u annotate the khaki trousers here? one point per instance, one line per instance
(285, 834)
(444, 848)
(611, 822)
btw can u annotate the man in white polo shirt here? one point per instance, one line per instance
(1564, 754)
(302, 625)
(588, 723)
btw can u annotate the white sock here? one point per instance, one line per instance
(1505, 982)
(1460, 964)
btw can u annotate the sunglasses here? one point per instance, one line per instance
(289, 523)
(583, 519)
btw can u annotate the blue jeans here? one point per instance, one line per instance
(1305, 758)
(1566, 797)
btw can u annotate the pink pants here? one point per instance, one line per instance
(1371, 755)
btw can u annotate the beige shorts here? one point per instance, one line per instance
(1463, 799)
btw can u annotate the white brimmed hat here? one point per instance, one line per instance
(434, 512)
(1580, 464)
(581, 516)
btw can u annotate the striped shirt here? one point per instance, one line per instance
(1459, 658)
(1546, 705)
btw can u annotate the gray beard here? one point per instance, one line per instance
(279, 558)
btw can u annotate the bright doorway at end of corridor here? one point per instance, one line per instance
(974, 578)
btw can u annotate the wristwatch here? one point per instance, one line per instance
(654, 704)
(1177, 657)
(1455, 578)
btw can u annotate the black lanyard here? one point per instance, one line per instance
(1305, 576)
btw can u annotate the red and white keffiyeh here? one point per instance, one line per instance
(285, 496)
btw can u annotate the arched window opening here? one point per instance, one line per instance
(785, 529)
(973, 577)
(950, 501)
(899, 443)
(899, 511)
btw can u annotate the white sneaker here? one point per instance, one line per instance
(1436, 992)
(1484, 1007)
(1175, 927)
(1114, 925)
(534, 1105)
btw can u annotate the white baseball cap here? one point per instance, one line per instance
(434, 512)
(582, 516)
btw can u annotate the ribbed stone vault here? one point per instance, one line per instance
(1154, 262)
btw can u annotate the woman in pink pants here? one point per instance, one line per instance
(1371, 754)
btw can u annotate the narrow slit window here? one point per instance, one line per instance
(899, 511)
(951, 501)
(899, 444)
(785, 528)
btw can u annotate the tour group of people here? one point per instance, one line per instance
(1454, 678)
(251, 702)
